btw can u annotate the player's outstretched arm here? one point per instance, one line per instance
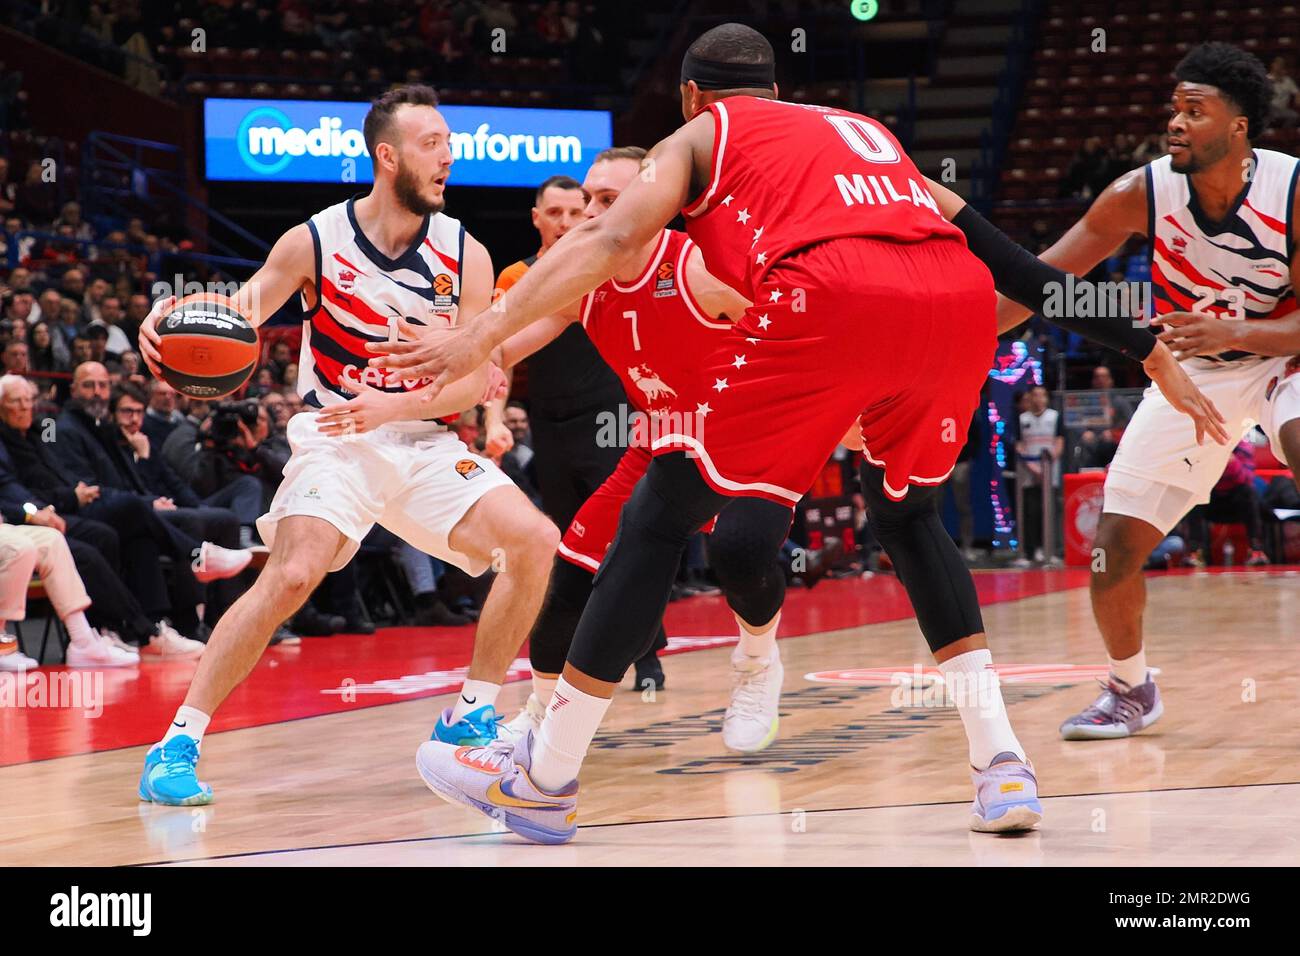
(1027, 279)
(1118, 213)
(536, 336)
(290, 263)
(584, 258)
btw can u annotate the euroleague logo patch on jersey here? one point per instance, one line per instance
(443, 292)
(467, 468)
(665, 280)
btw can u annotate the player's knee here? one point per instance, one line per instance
(292, 579)
(532, 541)
(1116, 555)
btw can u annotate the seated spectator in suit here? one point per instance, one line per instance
(49, 458)
(89, 449)
(143, 467)
(95, 550)
(162, 415)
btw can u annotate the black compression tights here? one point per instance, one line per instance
(631, 589)
(925, 558)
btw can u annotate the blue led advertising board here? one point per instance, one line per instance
(314, 141)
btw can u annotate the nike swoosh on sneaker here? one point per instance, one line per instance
(499, 796)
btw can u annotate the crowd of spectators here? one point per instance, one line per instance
(367, 43)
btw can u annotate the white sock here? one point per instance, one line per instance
(79, 629)
(1131, 670)
(762, 644)
(543, 688)
(475, 694)
(974, 689)
(190, 722)
(572, 719)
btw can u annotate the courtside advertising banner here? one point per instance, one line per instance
(313, 141)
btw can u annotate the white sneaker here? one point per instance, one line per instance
(99, 653)
(115, 639)
(530, 718)
(751, 721)
(168, 645)
(12, 659)
(217, 563)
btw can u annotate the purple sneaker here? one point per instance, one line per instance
(1120, 711)
(494, 780)
(1006, 796)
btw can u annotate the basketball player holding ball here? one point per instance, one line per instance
(370, 269)
(1223, 220)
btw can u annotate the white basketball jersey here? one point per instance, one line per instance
(361, 293)
(1239, 267)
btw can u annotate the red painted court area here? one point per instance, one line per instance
(345, 672)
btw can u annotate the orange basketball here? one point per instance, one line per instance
(209, 349)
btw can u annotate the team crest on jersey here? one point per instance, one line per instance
(650, 383)
(665, 281)
(1178, 246)
(347, 279)
(467, 468)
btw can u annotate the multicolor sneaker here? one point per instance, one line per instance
(494, 780)
(478, 728)
(1120, 711)
(169, 774)
(1006, 796)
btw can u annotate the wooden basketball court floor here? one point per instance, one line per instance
(320, 771)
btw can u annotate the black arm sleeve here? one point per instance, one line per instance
(1024, 278)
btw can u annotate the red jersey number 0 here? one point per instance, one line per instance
(864, 139)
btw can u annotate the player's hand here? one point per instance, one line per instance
(164, 504)
(86, 493)
(499, 440)
(497, 384)
(1197, 333)
(48, 518)
(1181, 393)
(149, 343)
(445, 356)
(370, 409)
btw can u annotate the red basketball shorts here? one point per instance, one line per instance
(898, 336)
(592, 530)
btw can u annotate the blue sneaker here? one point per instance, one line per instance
(478, 728)
(1006, 796)
(169, 775)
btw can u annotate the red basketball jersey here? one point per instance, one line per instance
(653, 333)
(787, 175)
